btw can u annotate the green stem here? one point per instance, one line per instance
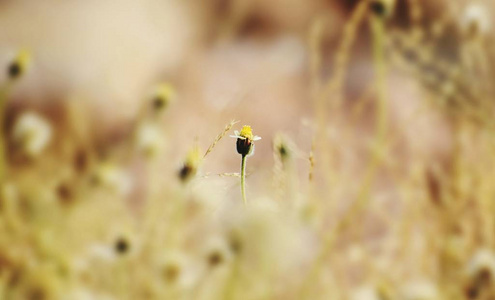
(243, 178)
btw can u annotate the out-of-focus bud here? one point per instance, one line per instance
(162, 97)
(178, 270)
(114, 178)
(149, 140)
(420, 290)
(365, 293)
(480, 273)
(475, 22)
(19, 65)
(122, 245)
(32, 133)
(191, 164)
(382, 8)
(217, 252)
(283, 148)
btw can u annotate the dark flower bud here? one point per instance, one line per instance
(215, 258)
(121, 246)
(186, 172)
(14, 70)
(18, 67)
(245, 139)
(381, 8)
(244, 146)
(191, 164)
(171, 272)
(162, 97)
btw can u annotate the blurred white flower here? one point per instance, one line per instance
(32, 133)
(356, 253)
(102, 253)
(265, 234)
(365, 293)
(150, 140)
(178, 270)
(420, 290)
(216, 252)
(476, 20)
(482, 261)
(114, 178)
(85, 294)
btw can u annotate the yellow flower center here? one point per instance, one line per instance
(23, 58)
(165, 92)
(193, 158)
(246, 132)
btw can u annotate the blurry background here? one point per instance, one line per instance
(246, 60)
(266, 63)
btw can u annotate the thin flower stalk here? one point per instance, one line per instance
(245, 147)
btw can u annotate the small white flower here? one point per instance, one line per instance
(178, 270)
(420, 290)
(483, 259)
(33, 133)
(149, 140)
(86, 294)
(365, 293)
(476, 19)
(102, 253)
(114, 178)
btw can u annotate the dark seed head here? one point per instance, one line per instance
(171, 272)
(215, 258)
(283, 151)
(378, 8)
(14, 70)
(81, 161)
(186, 172)
(158, 103)
(121, 246)
(190, 165)
(64, 193)
(473, 30)
(235, 244)
(37, 293)
(471, 292)
(19, 65)
(483, 277)
(244, 146)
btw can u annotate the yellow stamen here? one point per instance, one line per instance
(246, 132)
(165, 91)
(193, 158)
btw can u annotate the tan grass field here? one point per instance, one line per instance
(234, 149)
